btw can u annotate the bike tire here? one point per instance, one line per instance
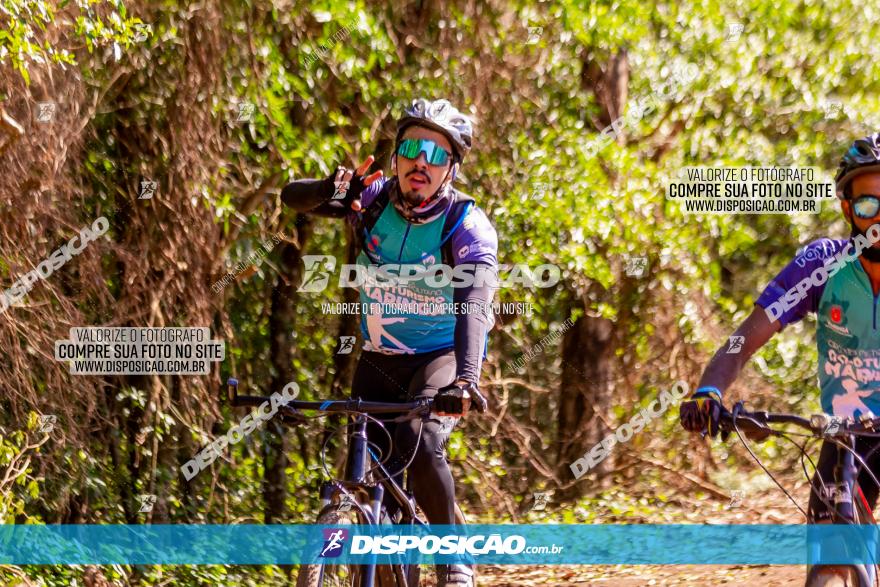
(331, 575)
(831, 578)
(395, 575)
(413, 575)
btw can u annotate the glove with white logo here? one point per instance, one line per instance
(347, 188)
(348, 185)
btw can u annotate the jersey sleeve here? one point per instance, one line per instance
(810, 258)
(475, 241)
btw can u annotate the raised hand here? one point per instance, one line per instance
(349, 184)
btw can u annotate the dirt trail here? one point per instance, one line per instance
(767, 506)
(638, 576)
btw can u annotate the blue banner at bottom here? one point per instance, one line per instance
(600, 544)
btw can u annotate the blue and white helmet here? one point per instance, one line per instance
(443, 117)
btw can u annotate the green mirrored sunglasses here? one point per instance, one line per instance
(434, 153)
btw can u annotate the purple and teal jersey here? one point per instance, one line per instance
(406, 319)
(847, 332)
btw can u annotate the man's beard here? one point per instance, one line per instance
(871, 253)
(413, 198)
(416, 208)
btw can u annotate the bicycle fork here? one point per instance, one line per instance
(356, 473)
(845, 478)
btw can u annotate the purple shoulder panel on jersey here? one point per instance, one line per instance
(475, 241)
(811, 257)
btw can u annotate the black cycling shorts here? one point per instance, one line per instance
(402, 378)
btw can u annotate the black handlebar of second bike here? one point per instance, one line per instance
(817, 424)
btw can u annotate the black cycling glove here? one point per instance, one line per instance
(457, 398)
(702, 413)
(345, 192)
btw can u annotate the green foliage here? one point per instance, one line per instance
(327, 79)
(25, 41)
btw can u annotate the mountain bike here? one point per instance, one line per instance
(842, 495)
(357, 498)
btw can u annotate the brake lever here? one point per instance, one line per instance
(419, 411)
(758, 419)
(738, 408)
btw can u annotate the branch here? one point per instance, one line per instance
(250, 203)
(13, 130)
(704, 485)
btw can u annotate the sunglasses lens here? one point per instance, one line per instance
(434, 153)
(409, 149)
(437, 156)
(866, 206)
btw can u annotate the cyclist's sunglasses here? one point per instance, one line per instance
(866, 205)
(434, 153)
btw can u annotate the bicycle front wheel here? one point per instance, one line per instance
(331, 575)
(847, 575)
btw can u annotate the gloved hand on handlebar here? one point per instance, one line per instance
(702, 413)
(456, 399)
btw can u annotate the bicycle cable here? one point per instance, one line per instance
(824, 499)
(852, 497)
(813, 490)
(861, 460)
(412, 458)
(867, 457)
(379, 463)
(760, 464)
(346, 425)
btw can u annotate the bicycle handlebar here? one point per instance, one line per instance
(289, 409)
(817, 424)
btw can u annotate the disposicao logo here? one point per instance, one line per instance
(334, 539)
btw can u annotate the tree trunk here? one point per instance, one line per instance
(585, 394)
(609, 82)
(281, 322)
(349, 325)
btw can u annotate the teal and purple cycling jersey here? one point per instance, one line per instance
(410, 318)
(847, 326)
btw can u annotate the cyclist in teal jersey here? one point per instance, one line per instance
(412, 350)
(839, 281)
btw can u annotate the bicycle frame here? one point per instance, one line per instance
(844, 483)
(358, 456)
(846, 489)
(845, 477)
(355, 477)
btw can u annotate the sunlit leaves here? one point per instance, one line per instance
(24, 41)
